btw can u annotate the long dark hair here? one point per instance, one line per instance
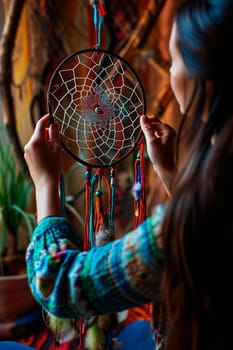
(198, 225)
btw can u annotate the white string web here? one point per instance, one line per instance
(98, 100)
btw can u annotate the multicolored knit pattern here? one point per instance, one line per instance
(69, 282)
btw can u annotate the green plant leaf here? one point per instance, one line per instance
(28, 218)
(15, 191)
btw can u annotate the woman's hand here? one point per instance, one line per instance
(44, 157)
(160, 141)
(43, 152)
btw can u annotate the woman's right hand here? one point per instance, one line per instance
(160, 142)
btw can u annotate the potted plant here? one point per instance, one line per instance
(15, 190)
(16, 223)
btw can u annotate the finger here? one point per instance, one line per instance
(41, 125)
(146, 126)
(54, 135)
(154, 119)
(150, 126)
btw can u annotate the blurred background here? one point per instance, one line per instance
(37, 35)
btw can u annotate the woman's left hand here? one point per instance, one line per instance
(43, 152)
(44, 156)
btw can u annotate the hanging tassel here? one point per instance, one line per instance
(96, 179)
(140, 210)
(62, 328)
(99, 211)
(137, 191)
(82, 330)
(143, 183)
(139, 187)
(86, 245)
(112, 198)
(87, 183)
(62, 195)
(99, 214)
(97, 328)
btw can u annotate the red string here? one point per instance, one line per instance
(136, 203)
(101, 10)
(81, 333)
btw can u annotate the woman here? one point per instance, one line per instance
(185, 251)
(198, 226)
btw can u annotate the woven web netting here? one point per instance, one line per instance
(97, 99)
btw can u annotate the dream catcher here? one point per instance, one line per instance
(97, 98)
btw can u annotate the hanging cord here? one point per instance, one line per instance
(140, 210)
(96, 330)
(98, 215)
(82, 331)
(62, 194)
(86, 244)
(94, 179)
(99, 211)
(99, 13)
(98, 16)
(95, 224)
(113, 199)
(87, 182)
(143, 183)
(139, 187)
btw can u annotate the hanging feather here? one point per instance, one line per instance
(98, 328)
(139, 187)
(63, 329)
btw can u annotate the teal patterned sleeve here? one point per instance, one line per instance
(69, 282)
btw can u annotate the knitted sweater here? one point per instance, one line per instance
(69, 282)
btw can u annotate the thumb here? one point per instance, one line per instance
(146, 127)
(41, 125)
